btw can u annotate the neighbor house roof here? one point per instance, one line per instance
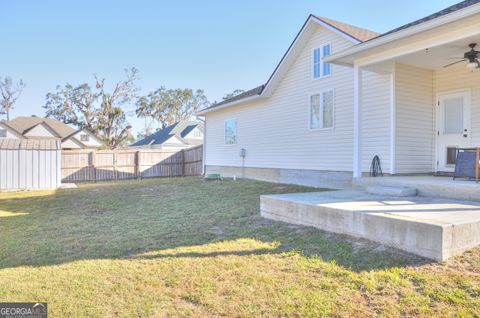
(353, 33)
(23, 124)
(82, 130)
(179, 130)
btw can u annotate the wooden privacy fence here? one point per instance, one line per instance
(101, 165)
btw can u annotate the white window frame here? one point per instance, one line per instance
(225, 131)
(321, 92)
(321, 47)
(82, 135)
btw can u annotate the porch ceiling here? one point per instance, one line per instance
(437, 57)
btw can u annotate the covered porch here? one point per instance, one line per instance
(429, 108)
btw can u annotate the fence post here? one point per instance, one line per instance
(138, 170)
(94, 162)
(183, 162)
(114, 165)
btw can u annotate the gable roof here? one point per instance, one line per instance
(358, 33)
(46, 127)
(179, 130)
(451, 9)
(85, 130)
(354, 34)
(23, 124)
(11, 129)
(253, 92)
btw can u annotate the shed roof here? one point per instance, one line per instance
(30, 144)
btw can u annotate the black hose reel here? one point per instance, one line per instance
(376, 167)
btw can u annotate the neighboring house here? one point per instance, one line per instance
(47, 128)
(342, 94)
(181, 135)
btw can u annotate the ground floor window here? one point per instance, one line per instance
(321, 110)
(230, 131)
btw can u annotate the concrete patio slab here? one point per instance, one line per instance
(429, 227)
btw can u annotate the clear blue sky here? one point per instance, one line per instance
(216, 45)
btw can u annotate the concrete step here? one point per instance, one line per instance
(392, 191)
(427, 186)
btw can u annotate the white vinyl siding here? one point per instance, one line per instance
(317, 63)
(92, 142)
(375, 120)
(415, 119)
(275, 131)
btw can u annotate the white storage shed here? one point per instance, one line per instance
(30, 164)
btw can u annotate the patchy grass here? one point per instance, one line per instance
(188, 247)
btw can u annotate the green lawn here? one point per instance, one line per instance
(189, 247)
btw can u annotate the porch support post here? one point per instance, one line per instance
(393, 122)
(357, 111)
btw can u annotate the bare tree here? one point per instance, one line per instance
(96, 108)
(168, 106)
(10, 93)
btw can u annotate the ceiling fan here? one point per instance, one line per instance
(470, 56)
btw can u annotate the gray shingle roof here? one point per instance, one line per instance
(451, 9)
(254, 91)
(179, 130)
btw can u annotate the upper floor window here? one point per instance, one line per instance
(84, 137)
(230, 131)
(197, 133)
(321, 110)
(326, 67)
(321, 68)
(3, 133)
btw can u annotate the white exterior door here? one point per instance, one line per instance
(453, 128)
